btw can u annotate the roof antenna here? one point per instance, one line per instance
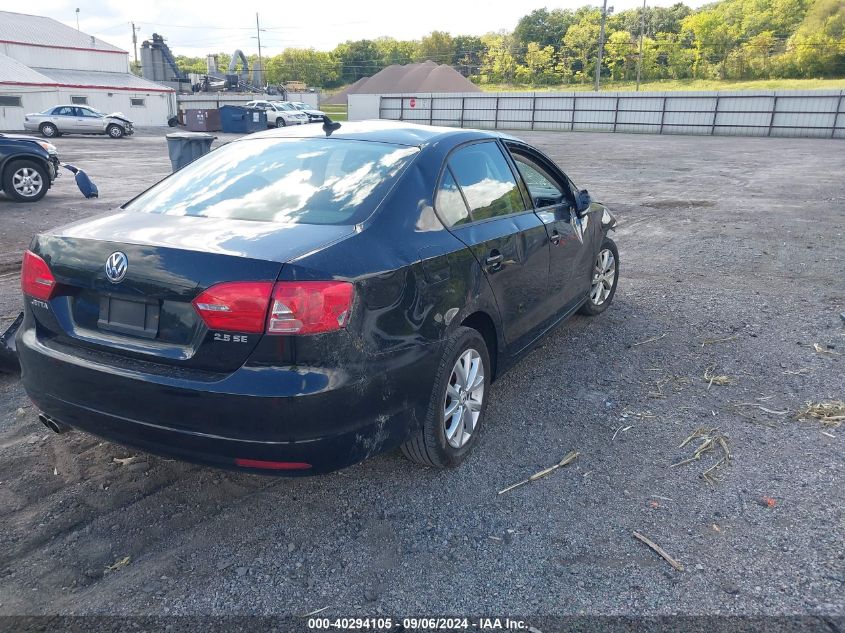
(329, 126)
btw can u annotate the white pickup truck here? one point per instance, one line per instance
(279, 114)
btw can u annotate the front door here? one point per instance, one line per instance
(554, 204)
(89, 121)
(508, 240)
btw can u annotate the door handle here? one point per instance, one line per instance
(555, 237)
(494, 260)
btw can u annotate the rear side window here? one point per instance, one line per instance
(486, 181)
(450, 203)
(302, 181)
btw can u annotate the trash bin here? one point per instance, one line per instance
(256, 120)
(233, 119)
(185, 147)
(203, 120)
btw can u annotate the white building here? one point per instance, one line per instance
(45, 63)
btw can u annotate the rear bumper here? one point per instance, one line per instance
(327, 419)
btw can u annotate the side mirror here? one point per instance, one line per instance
(582, 202)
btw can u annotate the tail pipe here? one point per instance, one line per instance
(51, 423)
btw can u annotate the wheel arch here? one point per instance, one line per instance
(484, 324)
(6, 161)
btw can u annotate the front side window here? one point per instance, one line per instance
(544, 188)
(296, 180)
(486, 181)
(87, 112)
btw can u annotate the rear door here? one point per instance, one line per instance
(554, 203)
(65, 118)
(480, 201)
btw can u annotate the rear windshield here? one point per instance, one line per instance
(308, 181)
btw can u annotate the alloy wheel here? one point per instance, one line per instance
(27, 182)
(464, 397)
(604, 276)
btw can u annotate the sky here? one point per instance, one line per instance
(195, 28)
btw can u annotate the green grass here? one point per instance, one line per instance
(691, 84)
(336, 112)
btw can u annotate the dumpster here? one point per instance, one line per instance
(256, 120)
(185, 147)
(203, 120)
(242, 120)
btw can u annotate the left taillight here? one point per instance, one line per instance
(237, 306)
(36, 278)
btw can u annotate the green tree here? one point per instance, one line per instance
(540, 64)
(580, 45)
(437, 46)
(498, 64)
(358, 59)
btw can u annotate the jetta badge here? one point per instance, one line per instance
(116, 266)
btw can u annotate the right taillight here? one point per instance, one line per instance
(36, 279)
(295, 307)
(309, 307)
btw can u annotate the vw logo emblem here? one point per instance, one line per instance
(116, 266)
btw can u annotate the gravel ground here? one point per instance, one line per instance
(732, 262)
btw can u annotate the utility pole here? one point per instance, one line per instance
(77, 18)
(135, 42)
(642, 35)
(601, 44)
(260, 60)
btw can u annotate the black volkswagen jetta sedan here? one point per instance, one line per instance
(299, 300)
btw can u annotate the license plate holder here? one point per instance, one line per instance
(129, 316)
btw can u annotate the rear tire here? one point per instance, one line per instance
(604, 278)
(280, 122)
(25, 181)
(115, 131)
(445, 439)
(48, 130)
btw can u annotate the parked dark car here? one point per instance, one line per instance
(294, 301)
(28, 167)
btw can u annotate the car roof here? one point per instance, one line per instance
(382, 131)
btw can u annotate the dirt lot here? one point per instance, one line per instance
(732, 264)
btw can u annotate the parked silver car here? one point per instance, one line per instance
(76, 119)
(314, 115)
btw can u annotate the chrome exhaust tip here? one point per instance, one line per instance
(54, 425)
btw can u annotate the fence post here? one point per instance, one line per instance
(496, 120)
(401, 108)
(715, 116)
(534, 108)
(662, 113)
(615, 112)
(772, 118)
(463, 107)
(431, 110)
(836, 116)
(574, 107)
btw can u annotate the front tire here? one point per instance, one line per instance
(605, 277)
(49, 130)
(25, 181)
(115, 131)
(457, 404)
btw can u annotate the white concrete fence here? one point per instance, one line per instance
(814, 113)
